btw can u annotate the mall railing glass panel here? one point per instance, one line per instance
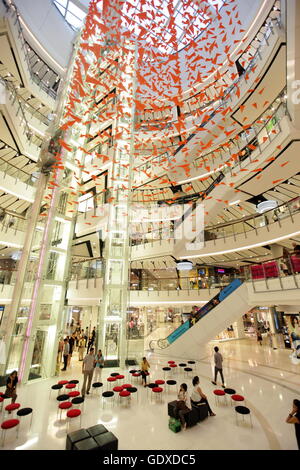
(249, 59)
(253, 222)
(20, 175)
(12, 221)
(40, 73)
(16, 103)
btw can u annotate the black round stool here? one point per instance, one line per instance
(107, 394)
(166, 369)
(132, 390)
(96, 385)
(229, 391)
(77, 401)
(114, 374)
(187, 370)
(182, 365)
(170, 382)
(56, 387)
(62, 397)
(243, 410)
(25, 412)
(192, 363)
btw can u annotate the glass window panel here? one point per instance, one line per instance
(73, 20)
(63, 3)
(61, 9)
(76, 11)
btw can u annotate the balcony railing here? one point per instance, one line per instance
(16, 102)
(20, 175)
(49, 82)
(210, 94)
(11, 221)
(253, 222)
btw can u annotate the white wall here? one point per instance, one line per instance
(50, 29)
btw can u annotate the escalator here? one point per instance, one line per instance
(189, 340)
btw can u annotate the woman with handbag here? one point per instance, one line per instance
(11, 385)
(144, 370)
(99, 365)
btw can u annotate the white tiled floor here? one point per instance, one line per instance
(269, 380)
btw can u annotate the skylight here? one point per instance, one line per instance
(165, 21)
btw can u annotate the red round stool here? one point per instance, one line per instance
(70, 386)
(65, 405)
(218, 394)
(9, 424)
(171, 362)
(12, 407)
(126, 386)
(157, 392)
(118, 389)
(63, 382)
(237, 398)
(125, 394)
(159, 382)
(136, 375)
(173, 367)
(72, 414)
(1, 401)
(110, 380)
(120, 377)
(73, 394)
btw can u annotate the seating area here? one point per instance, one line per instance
(117, 391)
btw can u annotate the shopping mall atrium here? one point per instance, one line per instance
(149, 207)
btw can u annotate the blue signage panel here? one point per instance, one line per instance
(228, 289)
(205, 309)
(178, 332)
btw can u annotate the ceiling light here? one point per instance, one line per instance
(184, 265)
(266, 206)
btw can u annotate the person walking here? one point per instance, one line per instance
(145, 366)
(218, 366)
(81, 345)
(66, 352)
(72, 345)
(183, 404)
(294, 418)
(198, 396)
(259, 337)
(90, 344)
(11, 386)
(88, 365)
(99, 365)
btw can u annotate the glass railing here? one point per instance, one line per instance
(16, 103)
(286, 266)
(88, 269)
(253, 222)
(209, 95)
(229, 229)
(183, 283)
(259, 135)
(50, 76)
(20, 175)
(11, 221)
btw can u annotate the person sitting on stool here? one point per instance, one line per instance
(198, 396)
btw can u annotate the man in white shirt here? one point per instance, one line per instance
(88, 370)
(218, 366)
